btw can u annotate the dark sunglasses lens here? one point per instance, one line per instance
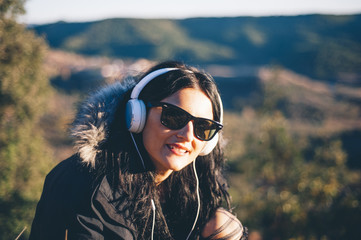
(204, 129)
(173, 118)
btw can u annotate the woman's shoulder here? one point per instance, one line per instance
(69, 169)
(64, 194)
(69, 178)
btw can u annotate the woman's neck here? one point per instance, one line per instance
(161, 176)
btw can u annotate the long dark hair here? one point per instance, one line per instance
(175, 198)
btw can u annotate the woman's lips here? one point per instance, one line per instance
(178, 149)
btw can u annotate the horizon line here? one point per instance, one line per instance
(182, 18)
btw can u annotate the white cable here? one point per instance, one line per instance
(136, 147)
(153, 207)
(198, 199)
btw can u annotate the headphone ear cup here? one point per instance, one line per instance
(210, 145)
(135, 115)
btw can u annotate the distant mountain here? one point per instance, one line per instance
(320, 46)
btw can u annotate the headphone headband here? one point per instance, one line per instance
(145, 80)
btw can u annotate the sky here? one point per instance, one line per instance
(48, 11)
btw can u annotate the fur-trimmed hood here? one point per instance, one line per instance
(91, 125)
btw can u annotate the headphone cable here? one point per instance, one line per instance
(198, 199)
(198, 208)
(153, 207)
(152, 202)
(136, 147)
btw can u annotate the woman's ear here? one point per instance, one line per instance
(209, 146)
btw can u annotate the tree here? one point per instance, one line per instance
(24, 89)
(287, 195)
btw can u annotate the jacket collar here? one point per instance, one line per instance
(91, 125)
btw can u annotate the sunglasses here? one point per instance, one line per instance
(176, 118)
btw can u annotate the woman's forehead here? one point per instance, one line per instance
(192, 100)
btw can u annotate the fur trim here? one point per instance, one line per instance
(91, 125)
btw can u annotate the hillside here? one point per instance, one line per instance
(320, 46)
(313, 108)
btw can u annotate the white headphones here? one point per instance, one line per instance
(136, 113)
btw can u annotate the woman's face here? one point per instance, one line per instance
(172, 150)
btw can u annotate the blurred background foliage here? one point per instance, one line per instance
(290, 86)
(289, 189)
(24, 88)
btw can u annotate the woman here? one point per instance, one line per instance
(148, 164)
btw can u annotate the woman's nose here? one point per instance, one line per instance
(186, 132)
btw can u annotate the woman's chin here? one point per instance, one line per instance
(178, 164)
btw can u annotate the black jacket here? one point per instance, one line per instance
(74, 202)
